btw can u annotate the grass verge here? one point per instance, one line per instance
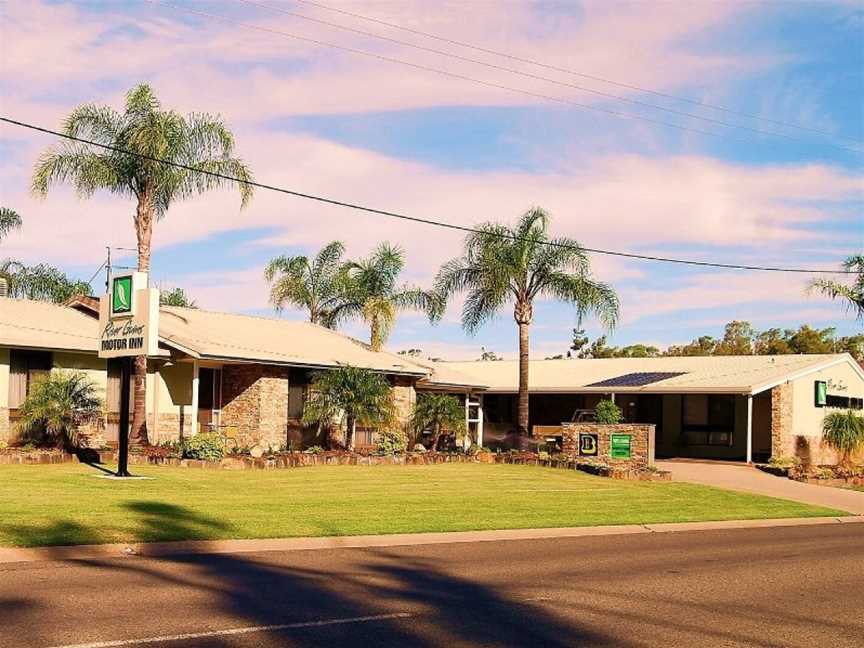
(67, 504)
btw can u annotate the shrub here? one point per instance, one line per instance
(419, 447)
(844, 431)
(58, 404)
(207, 446)
(784, 462)
(391, 441)
(314, 450)
(607, 413)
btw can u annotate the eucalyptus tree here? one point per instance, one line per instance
(851, 294)
(176, 297)
(521, 264)
(156, 157)
(9, 220)
(316, 285)
(372, 291)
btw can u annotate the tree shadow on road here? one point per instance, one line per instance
(241, 590)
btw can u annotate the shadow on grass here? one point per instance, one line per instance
(282, 588)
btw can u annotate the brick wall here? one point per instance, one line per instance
(5, 431)
(641, 443)
(255, 402)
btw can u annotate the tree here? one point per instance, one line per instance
(578, 343)
(359, 395)
(411, 353)
(737, 339)
(844, 431)
(439, 413)
(141, 135)
(852, 295)
(772, 342)
(702, 346)
(373, 292)
(316, 285)
(41, 282)
(58, 404)
(489, 356)
(597, 349)
(176, 297)
(520, 264)
(9, 220)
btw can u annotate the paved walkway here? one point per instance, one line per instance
(741, 477)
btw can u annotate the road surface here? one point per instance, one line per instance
(793, 586)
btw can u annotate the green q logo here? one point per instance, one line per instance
(121, 295)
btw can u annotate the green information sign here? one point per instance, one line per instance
(821, 393)
(121, 295)
(620, 446)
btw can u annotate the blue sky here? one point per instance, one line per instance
(359, 129)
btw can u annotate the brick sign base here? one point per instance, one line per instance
(641, 444)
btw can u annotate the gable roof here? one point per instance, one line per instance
(708, 374)
(42, 325)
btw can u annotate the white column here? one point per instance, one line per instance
(749, 428)
(480, 420)
(195, 385)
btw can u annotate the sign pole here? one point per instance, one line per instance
(123, 433)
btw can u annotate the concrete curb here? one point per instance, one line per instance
(191, 547)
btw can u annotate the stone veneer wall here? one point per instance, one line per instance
(5, 431)
(404, 400)
(641, 444)
(255, 402)
(782, 441)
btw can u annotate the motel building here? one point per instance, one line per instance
(248, 378)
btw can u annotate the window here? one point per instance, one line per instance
(844, 402)
(298, 380)
(708, 419)
(25, 367)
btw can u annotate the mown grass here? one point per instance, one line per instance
(69, 504)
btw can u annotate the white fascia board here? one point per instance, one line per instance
(809, 370)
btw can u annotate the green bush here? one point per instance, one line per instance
(607, 413)
(844, 431)
(784, 462)
(314, 450)
(419, 447)
(206, 446)
(391, 442)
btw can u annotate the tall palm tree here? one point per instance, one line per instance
(317, 285)
(40, 282)
(144, 129)
(520, 264)
(9, 220)
(372, 292)
(852, 294)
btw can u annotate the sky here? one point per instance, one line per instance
(754, 163)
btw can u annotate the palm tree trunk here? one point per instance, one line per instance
(375, 333)
(523, 379)
(144, 233)
(435, 437)
(350, 429)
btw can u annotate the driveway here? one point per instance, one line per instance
(741, 477)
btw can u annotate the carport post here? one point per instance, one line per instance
(749, 428)
(195, 384)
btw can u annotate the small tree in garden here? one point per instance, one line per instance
(359, 395)
(58, 404)
(844, 431)
(440, 413)
(607, 412)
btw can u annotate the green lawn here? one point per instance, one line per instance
(68, 504)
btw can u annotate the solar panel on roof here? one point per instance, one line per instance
(637, 379)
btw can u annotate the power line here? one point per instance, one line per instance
(490, 84)
(529, 75)
(405, 217)
(547, 66)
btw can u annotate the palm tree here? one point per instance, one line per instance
(440, 413)
(844, 431)
(372, 292)
(852, 294)
(139, 136)
(176, 297)
(40, 282)
(520, 264)
(360, 395)
(58, 404)
(9, 220)
(316, 285)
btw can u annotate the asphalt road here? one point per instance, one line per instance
(794, 586)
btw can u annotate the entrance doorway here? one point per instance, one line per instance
(209, 398)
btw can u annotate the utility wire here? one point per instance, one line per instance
(490, 84)
(582, 75)
(405, 217)
(529, 75)
(98, 270)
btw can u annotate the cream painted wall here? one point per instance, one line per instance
(806, 417)
(93, 366)
(4, 377)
